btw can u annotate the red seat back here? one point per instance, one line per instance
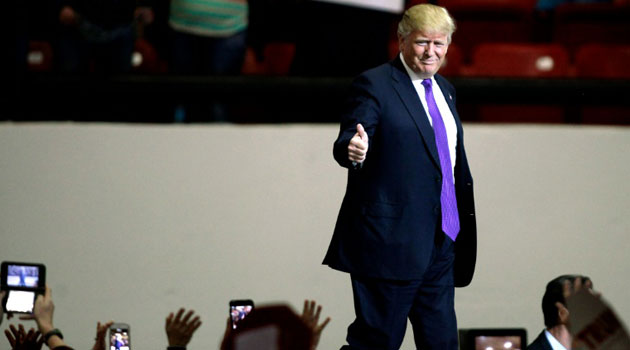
(608, 61)
(276, 60)
(519, 60)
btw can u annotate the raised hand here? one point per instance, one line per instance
(101, 333)
(358, 146)
(310, 316)
(180, 330)
(21, 340)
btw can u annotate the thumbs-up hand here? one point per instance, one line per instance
(358, 146)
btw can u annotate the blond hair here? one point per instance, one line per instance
(427, 18)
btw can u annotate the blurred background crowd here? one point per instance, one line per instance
(263, 60)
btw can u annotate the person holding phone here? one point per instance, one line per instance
(239, 308)
(291, 326)
(101, 334)
(43, 311)
(22, 282)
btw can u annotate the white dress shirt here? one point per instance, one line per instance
(555, 344)
(445, 110)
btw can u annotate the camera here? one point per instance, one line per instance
(119, 336)
(23, 282)
(239, 309)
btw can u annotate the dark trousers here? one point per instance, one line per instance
(201, 55)
(197, 54)
(91, 49)
(383, 306)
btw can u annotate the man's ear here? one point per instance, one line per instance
(563, 313)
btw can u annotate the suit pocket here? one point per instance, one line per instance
(383, 210)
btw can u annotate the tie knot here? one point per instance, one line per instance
(428, 83)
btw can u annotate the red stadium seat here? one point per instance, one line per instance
(277, 59)
(393, 48)
(519, 61)
(412, 3)
(39, 57)
(481, 21)
(452, 65)
(578, 24)
(604, 61)
(608, 61)
(518, 5)
(512, 60)
(619, 115)
(145, 58)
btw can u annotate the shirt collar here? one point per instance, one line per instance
(555, 344)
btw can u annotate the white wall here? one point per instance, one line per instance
(393, 6)
(134, 221)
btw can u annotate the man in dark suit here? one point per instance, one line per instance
(556, 335)
(406, 230)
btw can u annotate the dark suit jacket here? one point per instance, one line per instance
(541, 343)
(388, 218)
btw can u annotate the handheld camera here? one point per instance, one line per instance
(23, 282)
(119, 336)
(239, 309)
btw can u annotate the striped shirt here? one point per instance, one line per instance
(215, 18)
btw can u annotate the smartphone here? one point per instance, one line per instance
(119, 336)
(23, 282)
(239, 309)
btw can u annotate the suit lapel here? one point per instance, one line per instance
(409, 97)
(451, 104)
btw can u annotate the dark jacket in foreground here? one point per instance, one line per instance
(541, 343)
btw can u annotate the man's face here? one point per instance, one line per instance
(424, 52)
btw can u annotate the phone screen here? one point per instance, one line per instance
(498, 342)
(238, 312)
(20, 301)
(23, 276)
(119, 339)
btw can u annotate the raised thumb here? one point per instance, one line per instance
(362, 133)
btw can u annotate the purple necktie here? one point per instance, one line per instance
(450, 218)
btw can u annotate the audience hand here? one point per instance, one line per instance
(101, 333)
(579, 283)
(226, 334)
(43, 314)
(180, 330)
(1, 308)
(310, 316)
(20, 340)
